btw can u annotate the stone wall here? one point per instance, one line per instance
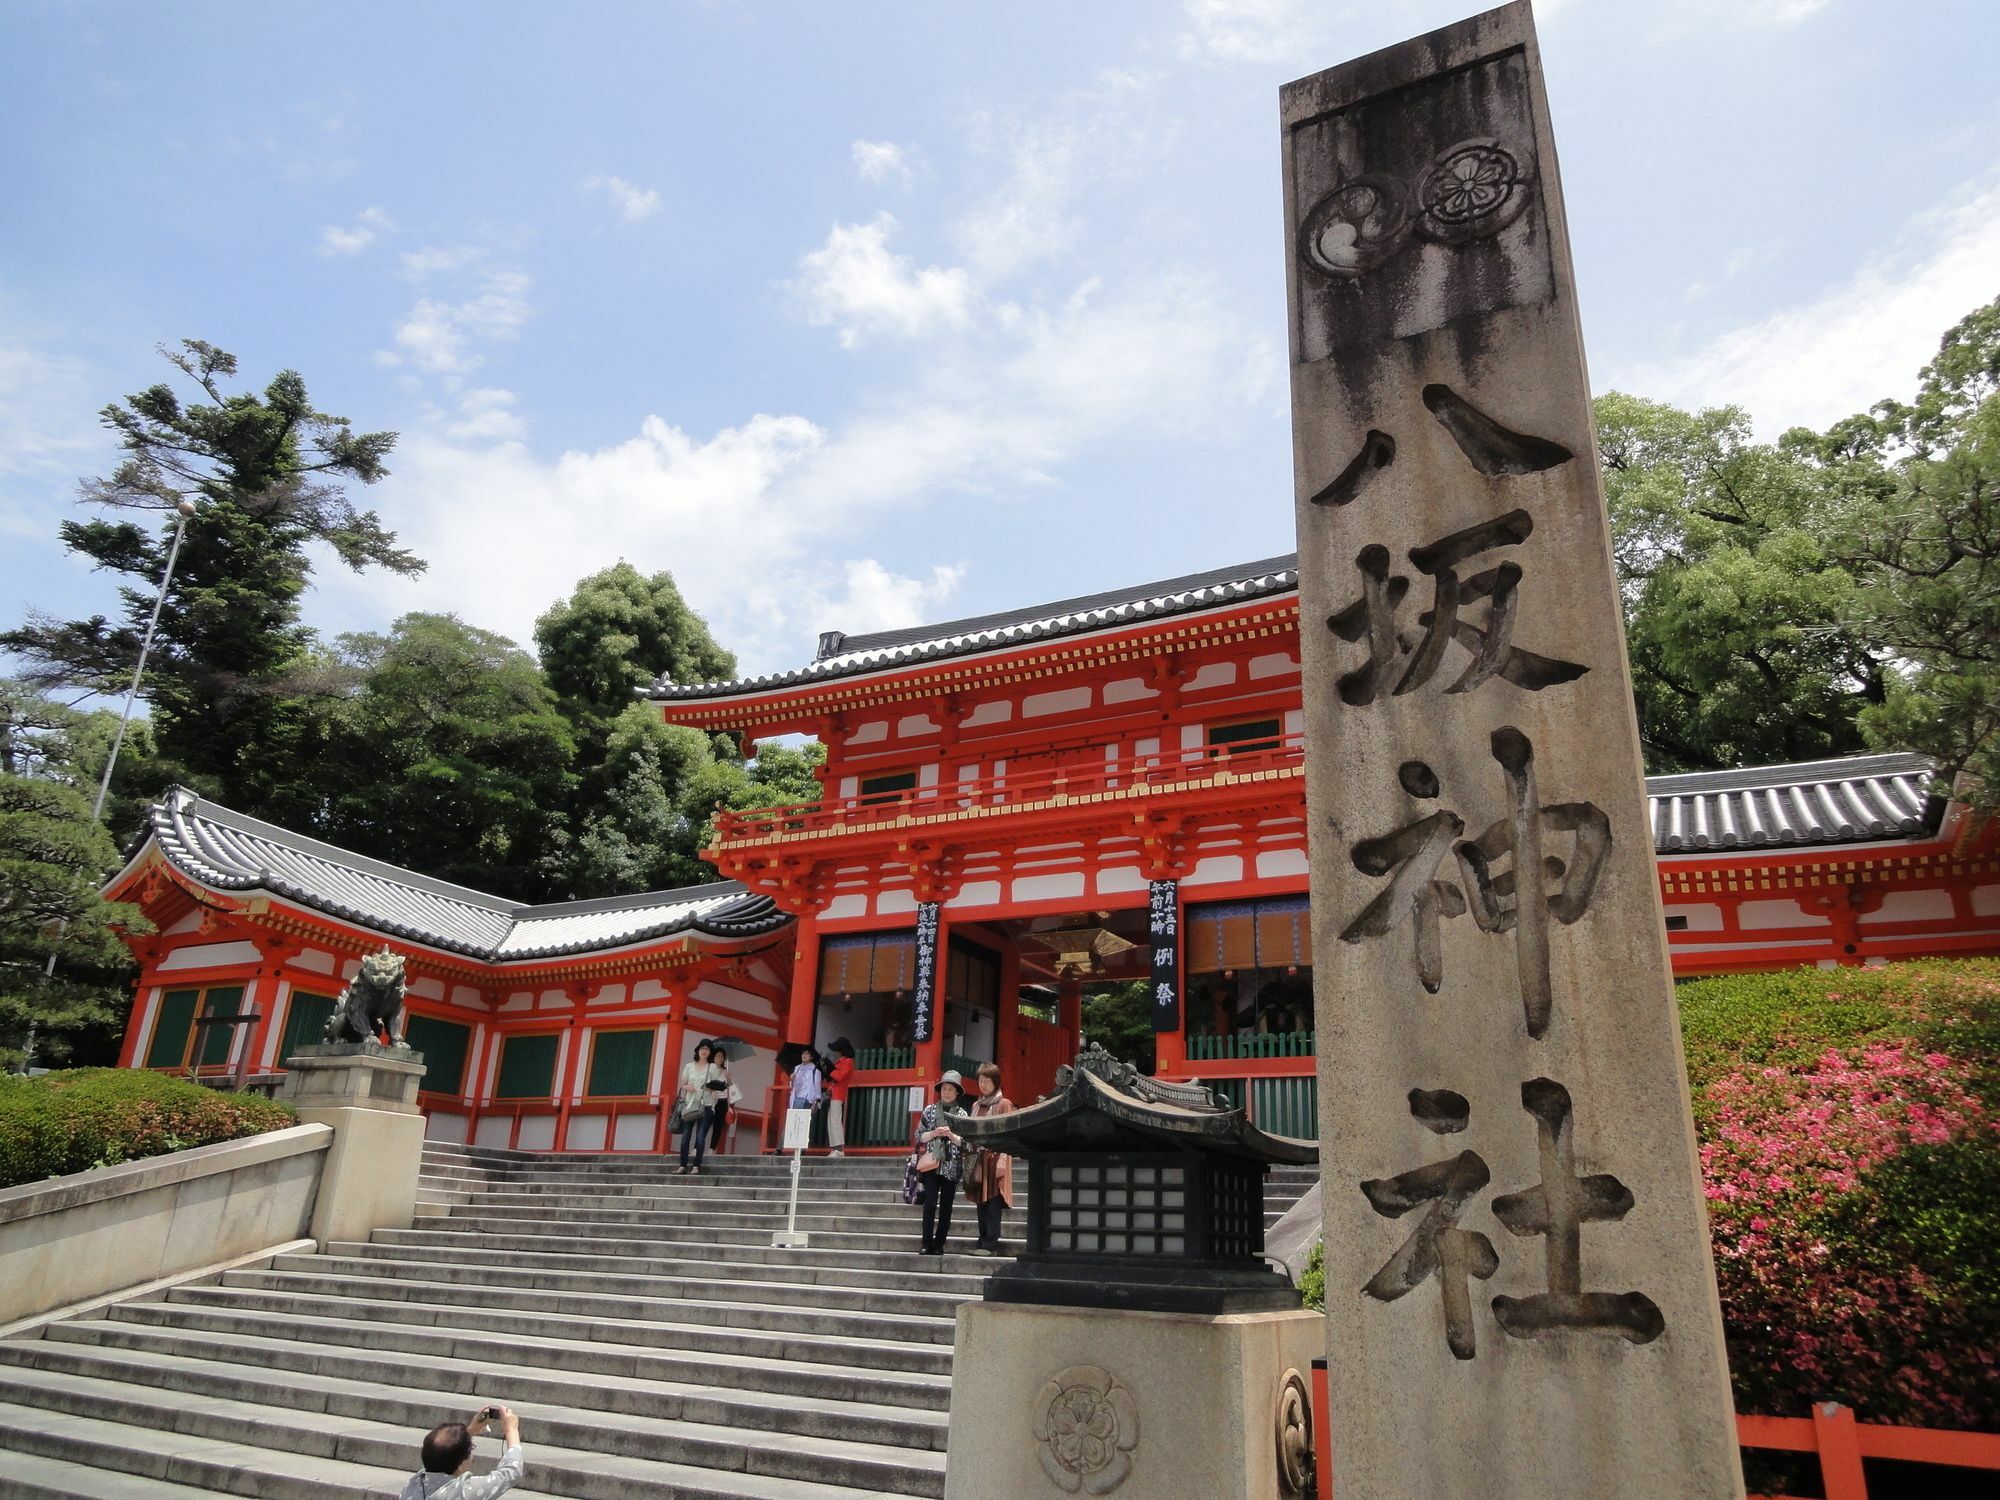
(73, 1238)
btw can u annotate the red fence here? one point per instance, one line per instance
(1129, 775)
(1831, 1432)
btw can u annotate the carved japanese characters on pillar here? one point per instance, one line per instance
(1163, 933)
(923, 979)
(1530, 1310)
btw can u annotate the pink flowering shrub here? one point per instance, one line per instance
(1850, 1146)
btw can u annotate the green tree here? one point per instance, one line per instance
(53, 859)
(445, 755)
(661, 784)
(616, 633)
(265, 471)
(1119, 1018)
(1744, 644)
(1916, 519)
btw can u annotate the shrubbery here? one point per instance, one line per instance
(96, 1117)
(1850, 1142)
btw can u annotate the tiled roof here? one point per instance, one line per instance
(848, 656)
(1847, 801)
(226, 850)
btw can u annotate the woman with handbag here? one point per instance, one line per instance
(940, 1160)
(989, 1180)
(694, 1106)
(722, 1093)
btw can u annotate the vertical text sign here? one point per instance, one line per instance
(1517, 1265)
(923, 983)
(1163, 930)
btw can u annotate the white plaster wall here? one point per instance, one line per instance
(1278, 664)
(466, 997)
(493, 1131)
(538, 1133)
(1911, 906)
(1986, 901)
(999, 711)
(611, 994)
(846, 906)
(189, 923)
(890, 902)
(1128, 690)
(1275, 862)
(869, 733)
(1218, 867)
(976, 893)
(429, 989)
(1049, 887)
(315, 959)
(209, 956)
(1215, 674)
(443, 1125)
(1699, 918)
(635, 1133)
(586, 1133)
(1752, 916)
(914, 725)
(1063, 701)
(1120, 878)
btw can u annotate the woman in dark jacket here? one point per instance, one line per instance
(940, 1142)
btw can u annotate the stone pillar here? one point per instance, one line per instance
(368, 1094)
(1050, 1402)
(1519, 1288)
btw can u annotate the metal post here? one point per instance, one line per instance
(182, 511)
(790, 1238)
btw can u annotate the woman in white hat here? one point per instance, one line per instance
(940, 1160)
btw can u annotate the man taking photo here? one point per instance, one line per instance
(448, 1454)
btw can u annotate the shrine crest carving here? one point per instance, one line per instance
(1088, 1427)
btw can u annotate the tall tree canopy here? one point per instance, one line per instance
(265, 471)
(53, 859)
(1914, 517)
(1739, 626)
(447, 755)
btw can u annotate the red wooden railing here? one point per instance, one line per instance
(1842, 1443)
(1128, 775)
(1831, 1432)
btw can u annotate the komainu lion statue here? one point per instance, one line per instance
(370, 1009)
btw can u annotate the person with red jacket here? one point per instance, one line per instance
(837, 1077)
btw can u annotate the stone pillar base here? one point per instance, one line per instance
(368, 1094)
(1049, 1402)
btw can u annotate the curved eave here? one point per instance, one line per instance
(982, 648)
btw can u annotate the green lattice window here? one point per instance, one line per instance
(171, 1028)
(527, 1067)
(226, 1001)
(621, 1063)
(306, 1015)
(444, 1045)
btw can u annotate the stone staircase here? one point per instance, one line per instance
(652, 1340)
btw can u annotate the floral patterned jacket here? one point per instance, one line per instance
(950, 1155)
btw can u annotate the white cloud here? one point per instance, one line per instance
(881, 161)
(368, 226)
(441, 337)
(632, 201)
(1843, 350)
(856, 283)
(486, 415)
(873, 598)
(1254, 31)
(438, 260)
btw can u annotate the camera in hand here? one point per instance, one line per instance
(489, 1413)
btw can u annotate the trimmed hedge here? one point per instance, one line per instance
(97, 1117)
(1849, 1123)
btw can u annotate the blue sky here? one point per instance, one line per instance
(853, 316)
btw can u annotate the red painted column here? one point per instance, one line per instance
(1069, 1011)
(670, 1072)
(1841, 1472)
(1007, 1023)
(144, 997)
(572, 1066)
(804, 1001)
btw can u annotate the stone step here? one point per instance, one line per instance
(814, 1263)
(805, 1321)
(235, 1448)
(899, 1238)
(727, 1215)
(28, 1476)
(576, 1356)
(736, 1244)
(874, 1452)
(442, 1267)
(849, 1339)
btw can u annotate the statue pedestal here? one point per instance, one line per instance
(368, 1094)
(1049, 1402)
